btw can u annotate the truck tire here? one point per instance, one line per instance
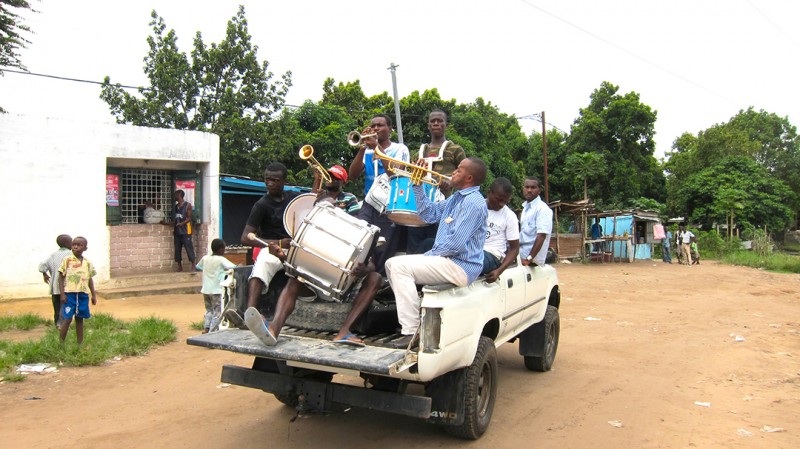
(551, 326)
(480, 391)
(322, 316)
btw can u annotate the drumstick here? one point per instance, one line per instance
(252, 236)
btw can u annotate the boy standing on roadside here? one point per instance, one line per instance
(214, 267)
(49, 269)
(75, 280)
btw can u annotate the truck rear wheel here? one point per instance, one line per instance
(480, 391)
(551, 325)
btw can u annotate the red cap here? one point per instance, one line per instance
(338, 172)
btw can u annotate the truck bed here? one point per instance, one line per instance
(315, 349)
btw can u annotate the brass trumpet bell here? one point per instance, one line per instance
(306, 153)
(417, 174)
(355, 138)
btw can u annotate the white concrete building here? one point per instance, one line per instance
(55, 175)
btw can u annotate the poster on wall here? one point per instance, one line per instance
(188, 188)
(112, 190)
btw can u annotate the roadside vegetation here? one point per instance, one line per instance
(105, 337)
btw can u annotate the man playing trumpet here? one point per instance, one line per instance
(364, 162)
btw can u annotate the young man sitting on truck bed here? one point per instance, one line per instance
(457, 253)
(502, 231)
(362, 292)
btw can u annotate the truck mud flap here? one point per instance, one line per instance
(447, 394)
(322, 396)
(305, 350)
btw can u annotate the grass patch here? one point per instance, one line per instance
(197, 325)
(104, 338)
(24, 322)
(779, 262)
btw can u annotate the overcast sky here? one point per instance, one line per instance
(696, 62)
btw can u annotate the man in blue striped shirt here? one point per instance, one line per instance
(457, 253)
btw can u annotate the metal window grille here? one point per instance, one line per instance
(140, 186)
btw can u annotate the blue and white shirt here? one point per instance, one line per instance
(462, 227)
(374, 168)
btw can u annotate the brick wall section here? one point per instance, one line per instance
(145, 248)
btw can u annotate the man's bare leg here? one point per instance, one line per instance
(369, 287)
(285, 307)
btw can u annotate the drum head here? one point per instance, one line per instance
(296, 210)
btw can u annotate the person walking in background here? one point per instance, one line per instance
(597, 233)
(695, 251)
(685, 240)
(213, 266)
(75, 282)
(49, 269)
(666, 243)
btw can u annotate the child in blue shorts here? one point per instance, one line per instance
(75, 279)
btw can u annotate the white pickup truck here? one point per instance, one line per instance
(455, 365)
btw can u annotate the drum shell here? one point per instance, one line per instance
(402, 206)
(327, 246)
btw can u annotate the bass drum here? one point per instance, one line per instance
(327, 246)
(296, 211)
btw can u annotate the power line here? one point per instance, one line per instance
(774, 25)
(624, 50)
(535, 116)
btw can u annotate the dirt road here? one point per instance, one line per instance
(665, 339)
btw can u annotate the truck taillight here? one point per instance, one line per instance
(431, 329)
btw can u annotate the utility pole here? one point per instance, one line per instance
(392, 68)
(544, 147)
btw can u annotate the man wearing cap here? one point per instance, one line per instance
(333, 192)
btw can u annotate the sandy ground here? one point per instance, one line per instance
(665, 339)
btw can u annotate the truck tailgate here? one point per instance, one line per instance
(316, 351)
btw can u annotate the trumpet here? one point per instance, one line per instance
(417, 174)
(355, 138)
(307, 154)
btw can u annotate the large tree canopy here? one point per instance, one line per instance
(222, 88)
(740, 185)
(621, 129)
(764, 138)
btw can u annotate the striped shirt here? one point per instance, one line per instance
(51, 265)
(462, 227)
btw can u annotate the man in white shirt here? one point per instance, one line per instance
(502, 231)
(536, 224)
(685, 242)
(364, 162)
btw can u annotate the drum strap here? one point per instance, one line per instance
(430, 160)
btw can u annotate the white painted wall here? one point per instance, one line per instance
(52, 181)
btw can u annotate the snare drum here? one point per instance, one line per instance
(327, 246)
(402, 206)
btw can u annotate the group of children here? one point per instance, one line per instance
(69, 275)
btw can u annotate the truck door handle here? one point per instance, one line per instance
(510, 283)
(528, 275)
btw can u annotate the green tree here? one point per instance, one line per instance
(737, 188)
(11, 37)
(585, 166)
(765, 138)
(621, 128)
(222, 88)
